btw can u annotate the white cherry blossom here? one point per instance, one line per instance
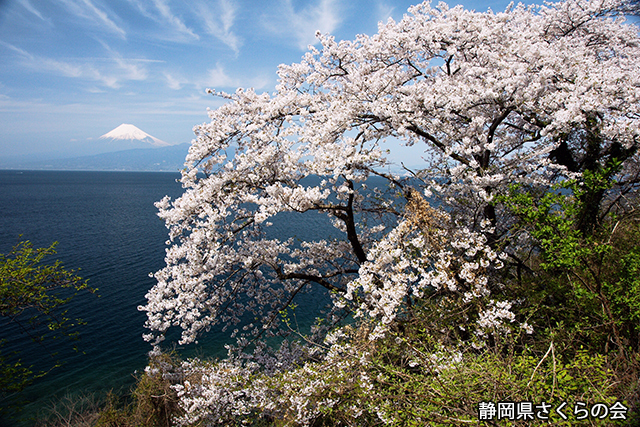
(529, 95)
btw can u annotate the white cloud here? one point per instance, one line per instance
(11, 105)
(172, 19)
(173, 27)
(217, 78)
(219, 24)
(27, 5)
(83, 71)
(131, 67)
(109, 72)
(174, 82)
(384, 11)
(133, 70)
(87, 10)
(16, 49)
(44, 64)
(302, 25)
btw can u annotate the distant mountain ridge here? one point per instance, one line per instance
(164, 159)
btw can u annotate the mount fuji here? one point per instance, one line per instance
(125, 148)
(129, 136)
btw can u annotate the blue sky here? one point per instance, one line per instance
(72, 70)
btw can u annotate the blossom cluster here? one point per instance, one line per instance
(431, 259)
(286, 382)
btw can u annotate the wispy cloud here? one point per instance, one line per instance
(110, 72)
(219, 24)
(86, 10)
(175, 82)
(81, 71)
(27, 5)
(16, 49)
(384, 11)
(41, 63)
(217, 78)
(174, 28)
(95, 90)
(172, 19)
(302, 25)
(131, 67)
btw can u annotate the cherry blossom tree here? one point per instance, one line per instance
(530, 95)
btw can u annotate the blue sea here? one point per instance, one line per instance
(107, 228)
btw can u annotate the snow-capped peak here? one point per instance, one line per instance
(130, 132)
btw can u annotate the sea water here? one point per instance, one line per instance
(107, 228)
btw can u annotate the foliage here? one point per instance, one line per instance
(71, 410)
(406, 378)
(155, 401)
(152, 402)
(32, 296)
(450, 396)
(587, 284)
